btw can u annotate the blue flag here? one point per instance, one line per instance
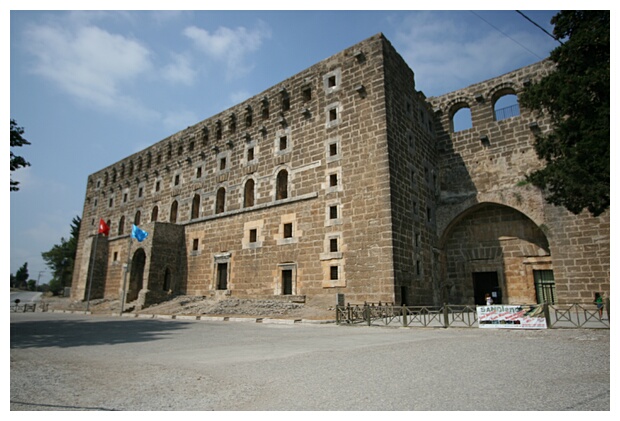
(138, 234)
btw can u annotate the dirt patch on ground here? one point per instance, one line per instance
(196, 306)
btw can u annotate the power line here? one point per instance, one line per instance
(538, 26)
(506, 35)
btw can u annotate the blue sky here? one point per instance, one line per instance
(92, 87)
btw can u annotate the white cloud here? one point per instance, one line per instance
(180, 70)
(89, 63)
(230, 46)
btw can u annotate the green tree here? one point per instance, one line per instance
(577, 98)
(61, 258)
(17, 139)
(21, 276)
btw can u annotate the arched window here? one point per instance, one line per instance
(154, 214)
(174, 208)
(136, 219)
(248, 194)
(506, 105)
(461, 119)
(282, 185)
(196, 206)
(220, 200)
(121, 225)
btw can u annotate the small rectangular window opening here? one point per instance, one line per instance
(176, 180)
(124, 197)
(116, 256)
(333, 273)
(333, 245)
(333, 114)
(307, 94)
(157, 185)
(333, 212)
(333, 180)
(288, 230)
(195, 244)
(140, 192)
(253, 233)
(250, 154)
(331, 82)
(283, 142)
(333, 149)
(198, 172)
(222, 163)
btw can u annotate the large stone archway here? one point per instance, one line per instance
(496, 249)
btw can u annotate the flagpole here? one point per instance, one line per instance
(92, 269)
(124, 294)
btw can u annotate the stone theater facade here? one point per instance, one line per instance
(344, 179)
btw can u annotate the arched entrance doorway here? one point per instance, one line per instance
(136, 275)
(493, 249)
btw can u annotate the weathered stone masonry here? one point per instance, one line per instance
(343, 179)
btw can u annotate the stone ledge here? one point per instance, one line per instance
(213, 318)
(187, 317)
(281, 321)
(244, 319)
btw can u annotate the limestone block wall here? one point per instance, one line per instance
(413, 183)
(580, 246)
(311, 149)
(485, 164)
(343, 179)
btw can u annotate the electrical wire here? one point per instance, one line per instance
(505, 34)
(538, 26)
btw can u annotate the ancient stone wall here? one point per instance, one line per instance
(290, 183)
(486, 164)
(413, 183)
(343, 179)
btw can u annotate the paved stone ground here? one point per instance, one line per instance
(78, 362)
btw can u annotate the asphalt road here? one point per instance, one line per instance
(76, 362)
(25, 297)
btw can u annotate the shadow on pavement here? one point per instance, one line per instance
(70, 333)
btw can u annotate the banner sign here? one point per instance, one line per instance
(511, 317)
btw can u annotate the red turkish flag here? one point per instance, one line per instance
(103, 228)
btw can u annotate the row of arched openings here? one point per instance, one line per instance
(505, 106)
(220, 202)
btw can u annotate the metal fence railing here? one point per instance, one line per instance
(507, 112)
(450, 315)
(23, 308)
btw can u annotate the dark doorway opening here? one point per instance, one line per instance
(403, 296)
(486, 283)
(222, 276)
(287, 282)
(137, 272)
